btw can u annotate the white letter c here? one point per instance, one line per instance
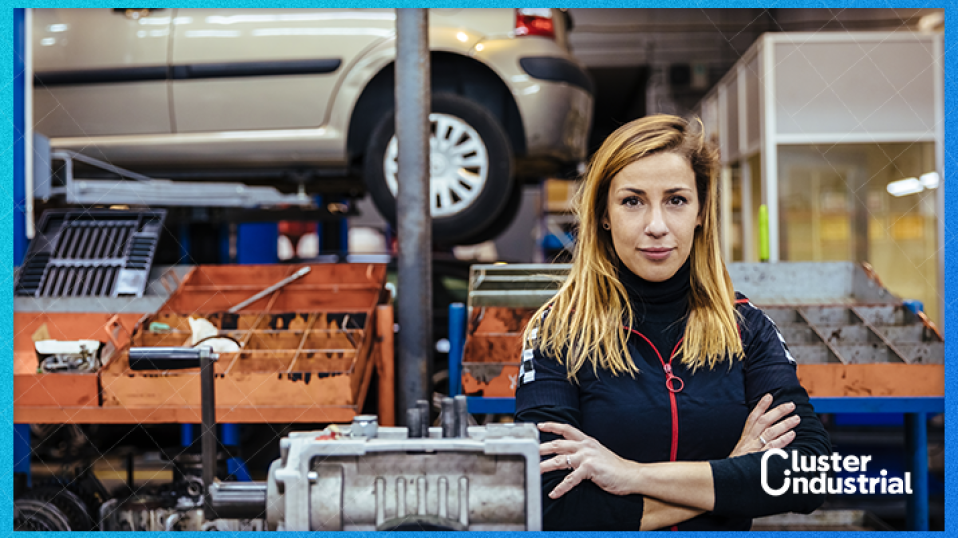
(768, 453)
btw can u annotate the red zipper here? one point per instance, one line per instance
(670, 379)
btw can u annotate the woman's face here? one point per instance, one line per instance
(652, 215)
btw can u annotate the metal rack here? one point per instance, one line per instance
(859, 348)
(310, 349)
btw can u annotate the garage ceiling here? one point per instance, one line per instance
(641, 59)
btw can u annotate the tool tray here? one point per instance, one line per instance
(309, 345)
(849, 335)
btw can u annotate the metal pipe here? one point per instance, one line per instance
(414, 224)
(208, 434)
(297, 275)
(461, 405)
(238, 500)
(414, 422)
(449, 426)
(424, 417)
(457, 340)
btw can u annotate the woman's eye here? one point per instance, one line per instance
(631, 201)
(678, 200)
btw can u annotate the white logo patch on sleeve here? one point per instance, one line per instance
(527, 371)
(788, 354)
(781, 339)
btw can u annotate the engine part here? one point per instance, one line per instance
(488, 481)
(238, 500)
(151, 513)
(364, 426)
(68, 503)
(426, 421)
(414, 421)
(82, 483)
(36, 515)
(62, 356)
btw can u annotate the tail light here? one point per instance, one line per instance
(535, 21)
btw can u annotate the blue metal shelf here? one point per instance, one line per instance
(916, 410)
(822, 405)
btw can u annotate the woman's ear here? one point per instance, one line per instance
(606, 225)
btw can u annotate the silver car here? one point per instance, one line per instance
(304, 98)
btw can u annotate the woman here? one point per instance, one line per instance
(655, 388)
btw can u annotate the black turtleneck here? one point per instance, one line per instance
(660, 309)
(640, 419)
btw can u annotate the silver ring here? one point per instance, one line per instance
(568, 461)
(762, 439)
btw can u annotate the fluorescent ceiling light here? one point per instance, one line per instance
(904, 187)
(929, 180)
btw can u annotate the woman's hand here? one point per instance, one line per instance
(587, 458)
(764, 430)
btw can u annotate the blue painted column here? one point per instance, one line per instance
(344, 235)
(186, 435)
(19, 148)
(230, 435)
(320, 229)
(186, 242)
(916, 448)
(256, 242)
(457, 342)
(22, 451)
(21, 432)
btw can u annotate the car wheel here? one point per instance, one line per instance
(470, 169)
(506, 218)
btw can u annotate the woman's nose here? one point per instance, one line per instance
(656, 226)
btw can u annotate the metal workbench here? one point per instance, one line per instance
(844, 325)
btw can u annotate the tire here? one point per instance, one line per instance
(462, 210)
(34, 515)
(70, 505)
(505, 219)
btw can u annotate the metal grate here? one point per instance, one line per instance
(79, 253)
(828, 312)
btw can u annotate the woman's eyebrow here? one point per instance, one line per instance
(641, 192)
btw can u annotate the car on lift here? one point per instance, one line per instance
(303, 100)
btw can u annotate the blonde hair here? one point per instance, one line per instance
(584, 321)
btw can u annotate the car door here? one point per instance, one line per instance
(100, 71)
(245, 69)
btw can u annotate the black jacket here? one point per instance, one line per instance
(633, 417)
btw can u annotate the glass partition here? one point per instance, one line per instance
(864, 202)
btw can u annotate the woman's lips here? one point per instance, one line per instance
(656, 253)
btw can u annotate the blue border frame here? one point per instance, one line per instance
(951, 135)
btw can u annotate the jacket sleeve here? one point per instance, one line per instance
(769, 369)
(545, 394)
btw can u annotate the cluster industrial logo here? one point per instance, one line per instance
(823, 483)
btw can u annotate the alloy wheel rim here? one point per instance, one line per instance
(458, 165)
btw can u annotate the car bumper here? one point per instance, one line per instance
(552, 92)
